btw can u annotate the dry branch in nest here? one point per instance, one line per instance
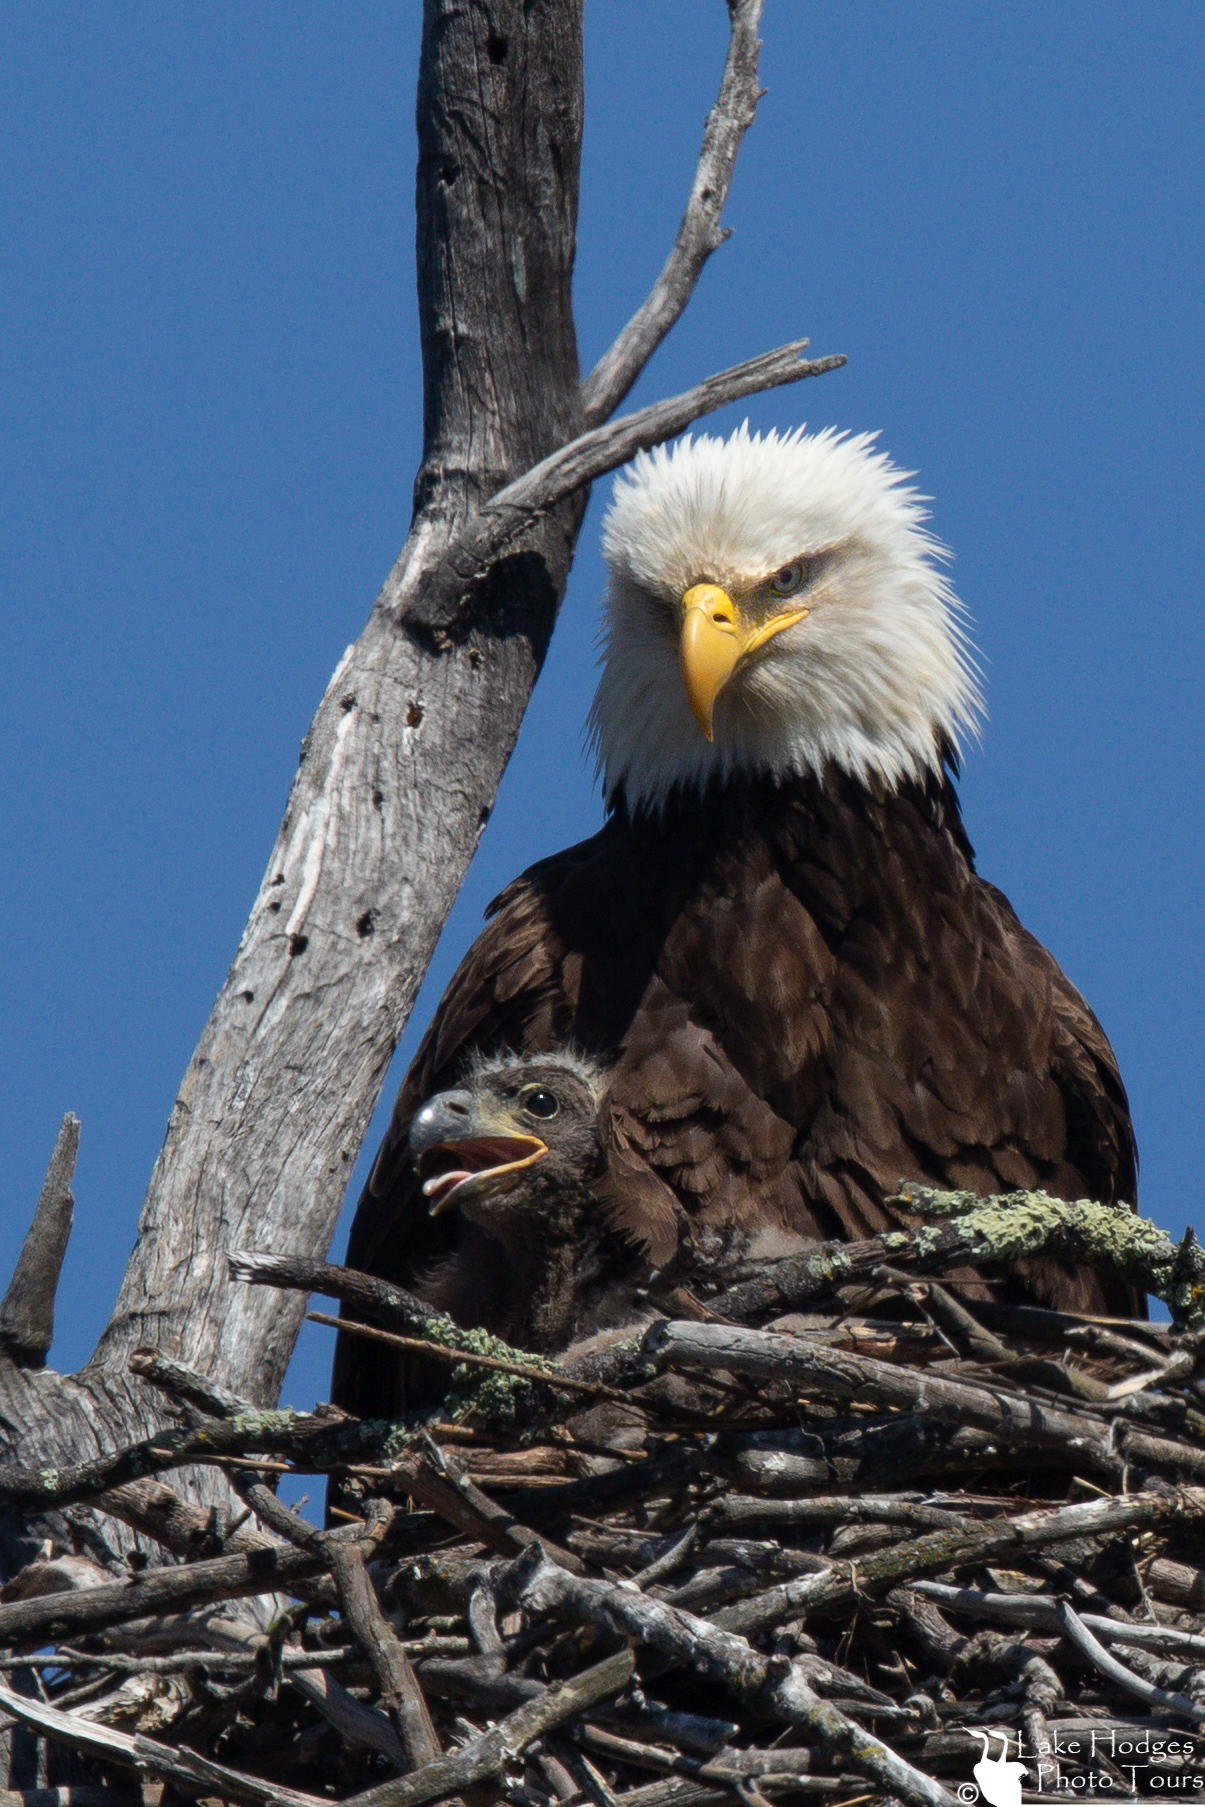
(815, 1554)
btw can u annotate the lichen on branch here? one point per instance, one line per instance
(1011, 1225)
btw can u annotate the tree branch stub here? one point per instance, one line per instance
(27, 1309)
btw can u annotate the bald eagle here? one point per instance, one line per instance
(778, 943)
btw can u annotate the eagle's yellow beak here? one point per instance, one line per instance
(714, 641)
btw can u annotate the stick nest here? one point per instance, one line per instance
(826, 1527)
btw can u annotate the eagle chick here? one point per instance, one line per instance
(513, 1156)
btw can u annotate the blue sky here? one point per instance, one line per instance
(210, 421)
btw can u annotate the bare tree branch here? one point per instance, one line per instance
(1156, 1699)
(398, 772)
(188, 1531)
(700, 232)
(800, 1634)
(266, 1569)
(327, 1441)
(575, 465)
(843, 1374)
(1040, 1612)
(449, 1492)
(179, 1382)
(400, 1692)
(183, 1766)
(548, 1377)
(256, 1267)
(401, 765)
(776, 1688)
(488, 1755)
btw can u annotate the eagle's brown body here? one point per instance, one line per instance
(807, 993)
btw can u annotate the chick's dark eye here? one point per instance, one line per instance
(540, 1103)
(789, 579)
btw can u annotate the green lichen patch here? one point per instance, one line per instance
(1009, 1226)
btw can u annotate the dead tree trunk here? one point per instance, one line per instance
(402, 762)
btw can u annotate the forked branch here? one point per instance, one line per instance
(592, 455)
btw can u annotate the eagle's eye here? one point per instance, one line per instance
(789, 579)
(539, 1102)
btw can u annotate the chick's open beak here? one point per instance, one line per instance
(477, 1167)
(715, 638)
(466, 1150)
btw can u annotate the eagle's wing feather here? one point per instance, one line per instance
(1100, 1141)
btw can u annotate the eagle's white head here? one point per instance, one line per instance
(775, 605)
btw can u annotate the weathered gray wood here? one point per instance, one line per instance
(401, 765)
(158, 1511)
(185, 1766)
(181, 1382)
(1156, 1699)
(265, 1569)
(354, 1719)
(838, 1373)
(255, 1566)
(1039, 1612)
(324, 1440)
(940, 1550)
(774, 1687)
(401, 1694)
(27, 1309)
(489, 1753)
(370, 1296)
